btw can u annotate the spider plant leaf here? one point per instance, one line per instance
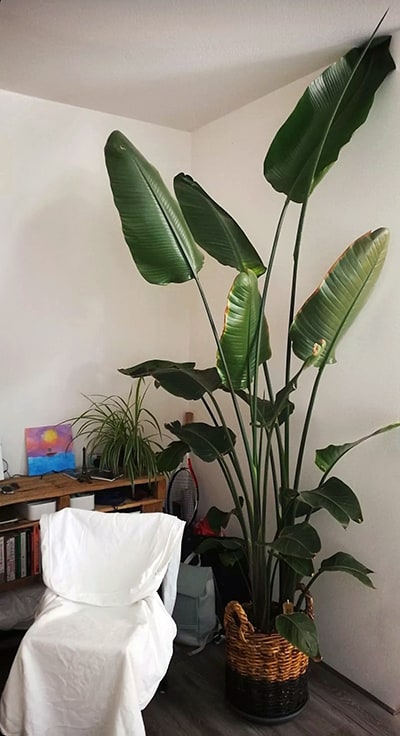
(154, 228)
(327, 457)
(299, 630)
(169, 458)
(325, 118)
(179, 379)
(298, 540)
(206, 441)
(214, 229)
(238, 339)
(337, 498)
(331, 309)
(343, 562)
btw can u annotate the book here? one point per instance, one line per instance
(17, 555)
(107, 475)
(23, 554)
(29, 551)
(94, 474)
(71, 473)
(35, 550)
(10, 557)
(2, 560)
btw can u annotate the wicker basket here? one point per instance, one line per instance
(266, 676)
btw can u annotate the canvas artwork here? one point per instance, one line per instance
(49, 449)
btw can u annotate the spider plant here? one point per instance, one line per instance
(166, 237)
(123, 432)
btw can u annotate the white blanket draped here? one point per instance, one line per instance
(86, 667)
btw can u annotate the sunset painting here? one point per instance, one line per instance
(49, 449)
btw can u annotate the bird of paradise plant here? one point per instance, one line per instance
(166, 237)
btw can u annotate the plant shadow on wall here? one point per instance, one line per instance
(165, 237)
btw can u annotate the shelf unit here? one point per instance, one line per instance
(148, 496)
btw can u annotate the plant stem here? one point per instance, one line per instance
(232, 454)
(306, 428)
(282, 465)
(296, 253)
(230, 385)
(306, 589)
(265, 292)
(268, 598)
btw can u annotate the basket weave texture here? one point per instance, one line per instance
(266, 676)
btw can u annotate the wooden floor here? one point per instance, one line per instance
(194, 704)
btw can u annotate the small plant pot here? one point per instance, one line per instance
(266, 676)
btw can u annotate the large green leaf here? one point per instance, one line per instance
(218, 519)
(303, 566)
(331, 309)
(238, 340)
(206, 441)
(328, 456)
(214, 229)
(343, 562)
(269, 412)
(169, 458)
(152, 222)
(298, 540)
(300, 631)
(337, 498)
(230, 549)
(179, 379)
(325, 118)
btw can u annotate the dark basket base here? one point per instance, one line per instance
(266, 702)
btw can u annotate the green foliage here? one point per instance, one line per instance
(125, 434)
(332, 308)
(300, 630)
(164, 237)
(325, 118)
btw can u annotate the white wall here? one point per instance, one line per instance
(359, 630)
(73, 307)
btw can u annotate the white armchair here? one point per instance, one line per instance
(102, 638)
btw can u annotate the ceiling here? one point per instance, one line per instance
(180, 63)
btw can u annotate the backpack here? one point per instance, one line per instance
(194, 613)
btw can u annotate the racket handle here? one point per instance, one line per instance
(188, 417)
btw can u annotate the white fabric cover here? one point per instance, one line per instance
(88, 667)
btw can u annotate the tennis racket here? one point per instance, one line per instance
(183, 490)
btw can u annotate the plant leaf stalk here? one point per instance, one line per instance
(231, 388)
(232, 454)
(293, 292)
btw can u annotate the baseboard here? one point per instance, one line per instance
(385, 706)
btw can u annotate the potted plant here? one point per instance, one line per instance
(123, 432)
(270, 642)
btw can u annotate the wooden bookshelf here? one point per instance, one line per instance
(144, 495)
(20, 582)
(59, 487)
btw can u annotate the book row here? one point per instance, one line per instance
(19, 554)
